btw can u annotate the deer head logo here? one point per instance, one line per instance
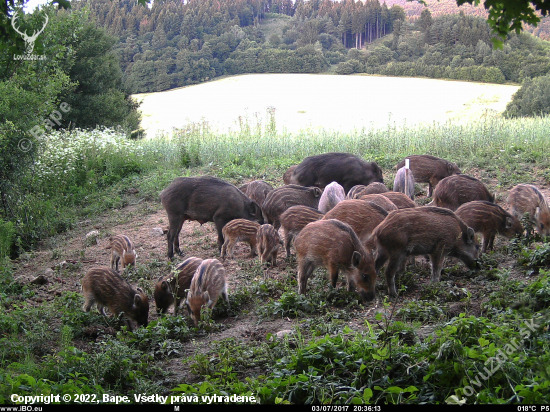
(29, 40)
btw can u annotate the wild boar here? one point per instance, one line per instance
(356, 191)
(360, 215)
(288, 174)
(267, 240)
(525, 198)
(429, 169)
(208, 283)
(332, 194)
(345, 168)
(373, 188)
(456, 190)
(170, 289)
(106, 288)
(239, 230)
(404, 182)
(432, 231)
(294, 219)
(122, 248)
(257, 190)
(204, 199)
(284, 197)
(489, 219)
(401, 200)
(380, 200)
(334, 245)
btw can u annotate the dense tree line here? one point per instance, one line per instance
(177, 43)
(453, 47)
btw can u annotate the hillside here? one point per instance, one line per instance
(441, 7)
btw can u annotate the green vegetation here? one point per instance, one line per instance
(432, 348)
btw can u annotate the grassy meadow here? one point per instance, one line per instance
(436, 343)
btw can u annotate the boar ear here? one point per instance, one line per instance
(356, 259)
(317, 192)
(508, 223)
(164, 285)
(137, 300)
(254, 209)
(471, 234)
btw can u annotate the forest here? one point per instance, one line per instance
(173, 44)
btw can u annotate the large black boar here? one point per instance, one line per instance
(345, 168)
(204, 199)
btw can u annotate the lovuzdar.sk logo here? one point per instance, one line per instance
(29, 40)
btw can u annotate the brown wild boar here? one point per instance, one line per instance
(373, 188)
(404, 182)
(267, 240)
(334, 245)
(345, 168)
(239, 230)
(284, 197)
(122, 248)
(356, 191)
(257, 190)
(204, 199)
(429, 169)
(380, 200)
(362, 216)
(332, 194)
(208, 283)
(432, 231)
(401, 200)
(288, 175)
(489, 219)
(106, 288)
(294, 219)
(525, 198)
(170, 289)
(456, 190)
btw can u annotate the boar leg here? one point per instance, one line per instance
(274, 258)
(288, 238)
(175, 222)
(437, 265)
(220, 223)
(305, 269)
(395, 263)
(252, 247)
(226, 298)
(488, 241)
(333, 273)
(380, 259)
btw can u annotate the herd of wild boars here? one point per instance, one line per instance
(337, 212)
